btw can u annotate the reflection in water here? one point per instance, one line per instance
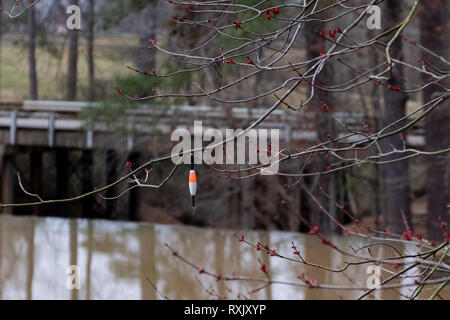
(74, 250)
(89, 243)
(116, 259)
(30, 260)
(147, 263)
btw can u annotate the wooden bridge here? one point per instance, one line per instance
(63, 124)
(34, 129)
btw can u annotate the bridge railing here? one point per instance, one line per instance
(54, 116)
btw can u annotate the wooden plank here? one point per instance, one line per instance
(56, 106)
(11, 105)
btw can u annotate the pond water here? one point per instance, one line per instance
(116, 259)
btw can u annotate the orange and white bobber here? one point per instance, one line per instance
(193, 186)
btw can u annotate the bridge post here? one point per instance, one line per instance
(8, 178)
(36, 177)
(62, 177)
(111, 176)
(87, 165)
(90, 134)
(133, 199)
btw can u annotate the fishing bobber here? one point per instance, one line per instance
(192, 182)
(193, 185)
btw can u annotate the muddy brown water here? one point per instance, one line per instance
(116, 259)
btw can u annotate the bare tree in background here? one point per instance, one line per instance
(396, 180)
(435, 37)
(32, 74)
(90, 49)
(147, 30)
(72, 62)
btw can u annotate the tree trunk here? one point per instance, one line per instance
(32, 53)
(323, 127)
(90, 49)
(395, 174)
(435, 37)
(147, 24)
(1, 32)
(73, 62)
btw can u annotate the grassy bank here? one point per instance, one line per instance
(112, 54)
